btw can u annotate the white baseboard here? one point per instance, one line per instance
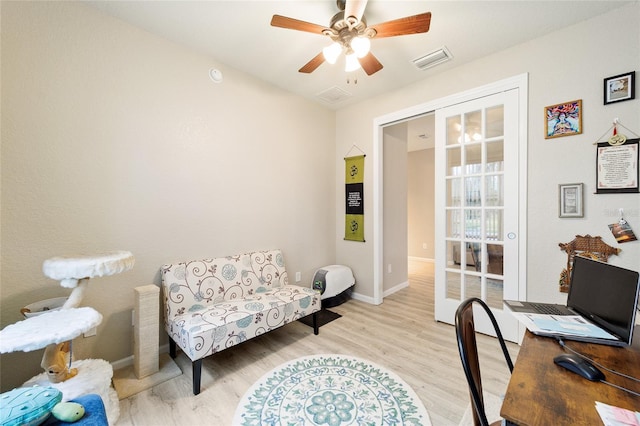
(395, 289)
(125, 362)
(386, 293)
(362, 298)
(422, 259)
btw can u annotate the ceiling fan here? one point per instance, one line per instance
(350, 34)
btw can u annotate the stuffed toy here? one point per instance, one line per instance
(68, 411)
(55, 362)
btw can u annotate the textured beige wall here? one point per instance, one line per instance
(562, 66)
(115, 139)
(420, 203)
(394, 254)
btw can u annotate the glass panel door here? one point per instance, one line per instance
(476, 153)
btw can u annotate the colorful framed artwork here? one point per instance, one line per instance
(620, 88)
(563, 119)
(570, 200)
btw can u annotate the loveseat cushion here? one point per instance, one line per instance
(194, 285)
(205, 331)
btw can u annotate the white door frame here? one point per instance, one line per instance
(519, 82)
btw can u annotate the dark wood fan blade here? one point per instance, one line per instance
(295, 24)
(409, 25)
(370, 64)
(355, 9)
(311, 66)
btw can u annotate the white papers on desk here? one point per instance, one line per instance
(616, 416)
(561, 325)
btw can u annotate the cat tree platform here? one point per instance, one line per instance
(51, 328)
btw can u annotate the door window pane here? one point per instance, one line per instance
(473, 126)
(473, 159)
(472, 287)
(494, 191)
(454, 128)
(453, 162)
(453, 254)
(495, 293)
(495, 156)
(493, 224)
(494, 259)
(474, 257)
(472, 193)
(454, 192)
(495, 121)
(453, 280)
(453, 224)
(472, 223)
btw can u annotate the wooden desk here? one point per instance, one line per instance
(543, 393)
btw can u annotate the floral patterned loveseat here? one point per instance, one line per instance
(213, 304)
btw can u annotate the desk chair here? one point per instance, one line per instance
(468, 348)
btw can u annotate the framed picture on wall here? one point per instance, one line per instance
(563, 119)
(570, 200)
(620, 88)
(617, 169)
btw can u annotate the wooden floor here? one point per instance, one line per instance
(399, 334)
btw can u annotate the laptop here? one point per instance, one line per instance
(601, 306)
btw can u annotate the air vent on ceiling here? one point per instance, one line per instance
(333, 95)
(432, 59)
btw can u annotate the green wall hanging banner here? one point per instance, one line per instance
(354, 198)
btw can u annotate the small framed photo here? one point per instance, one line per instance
(570, 200)
(620, 88)
(563, 119)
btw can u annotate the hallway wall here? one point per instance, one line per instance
(420, 203)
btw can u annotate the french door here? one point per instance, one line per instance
(477, 214)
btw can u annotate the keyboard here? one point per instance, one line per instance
(545, 308)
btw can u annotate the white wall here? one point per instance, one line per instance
(115, 139)
(565, 65)
(420, 207)
(394, 256)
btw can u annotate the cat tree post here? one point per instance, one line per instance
(146, 358)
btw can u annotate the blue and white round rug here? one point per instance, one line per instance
(331, 390)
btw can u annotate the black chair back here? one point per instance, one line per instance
(468, 348)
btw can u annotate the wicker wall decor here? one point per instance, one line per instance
(586, 246)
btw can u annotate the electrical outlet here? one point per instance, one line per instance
(389, 268)
(90, 333)
(298, 277)
(424, 246)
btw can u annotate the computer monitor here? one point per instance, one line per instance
(606, 294)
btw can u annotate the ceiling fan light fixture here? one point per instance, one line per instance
(332, 52)
(350, 34)
(361, 46)
(351, 62)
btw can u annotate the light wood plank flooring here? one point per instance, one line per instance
(399, 334)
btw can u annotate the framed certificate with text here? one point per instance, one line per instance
(617, 167)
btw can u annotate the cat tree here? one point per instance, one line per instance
(53, 330)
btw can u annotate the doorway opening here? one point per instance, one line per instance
(388, 251)
(409, 209)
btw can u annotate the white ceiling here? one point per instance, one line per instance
(420, 132)
(237, 34)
